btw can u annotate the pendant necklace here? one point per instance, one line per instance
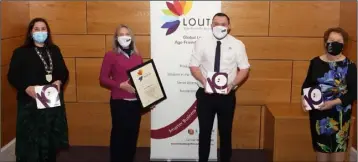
(48, 68)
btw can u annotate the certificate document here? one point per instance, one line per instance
(148, 86)
(47, 96)
(313, 97)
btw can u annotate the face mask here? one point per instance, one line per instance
(39, 37)
(219, 32)
(124, 41)
(334, 48)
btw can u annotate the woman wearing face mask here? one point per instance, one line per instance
(125, 108)
(336, 76)
(40, 133)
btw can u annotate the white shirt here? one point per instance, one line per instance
(233, 56)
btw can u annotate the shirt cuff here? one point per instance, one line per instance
(244, 67)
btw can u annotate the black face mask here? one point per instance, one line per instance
(127, 50)
(334, 48)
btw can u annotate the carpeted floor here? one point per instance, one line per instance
(101, 154)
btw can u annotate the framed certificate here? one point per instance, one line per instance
(145, 79)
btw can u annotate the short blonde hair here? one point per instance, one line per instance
(115, 44)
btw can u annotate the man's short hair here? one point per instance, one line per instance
(222, 14)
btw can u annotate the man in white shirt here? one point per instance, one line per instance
(219, 53)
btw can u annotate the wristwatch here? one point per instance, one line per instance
(234, 87)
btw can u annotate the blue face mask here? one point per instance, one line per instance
(39, 37)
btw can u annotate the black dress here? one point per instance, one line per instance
(40, 133)
(330, 128)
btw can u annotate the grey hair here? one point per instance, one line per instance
(115, 46)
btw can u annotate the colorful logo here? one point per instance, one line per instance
(140, 74)
(190, 131)
(172, 14)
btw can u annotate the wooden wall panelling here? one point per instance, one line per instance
(8, 46)
(269, 81)
(351, 51)
(109, 42)
(64, 17)
(8, 108)
(300, 69)
(247, 18)
(246, 127)
(103, 17)
(8, 93)
(282, 48)
(288, 125)
(81, 45)
(146, 59)
(88, 86)
(300, 132)
(262, 126)
(303, 18)
(90, 125)
(14, 18)
(143, 44)
(144, 132)
(70, 89)
(348, 18)
(12, 30)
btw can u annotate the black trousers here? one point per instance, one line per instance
(126, 119)
(207, 106)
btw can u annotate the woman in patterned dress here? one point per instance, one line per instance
(336, 76)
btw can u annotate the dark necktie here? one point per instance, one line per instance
(217, 57)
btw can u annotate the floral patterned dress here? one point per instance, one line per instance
(330, 128)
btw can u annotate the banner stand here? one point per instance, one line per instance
(175, 26)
